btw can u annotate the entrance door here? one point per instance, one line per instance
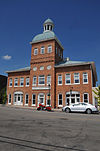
(41, 98)
(18, 98)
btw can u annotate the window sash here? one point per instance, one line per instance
(10, 82)
(42, 50)
(26, 98)
(9, 101)
(59, 79)
(16, 82)
(27, 81)
(21, 81)
(60, 99)
(41, 80)
(35, 51)
(68, 78)
(49, 49)
(85, 78)
(86, 97)
(48, 80)
(33, 99)
(76, 78)
(34, 80)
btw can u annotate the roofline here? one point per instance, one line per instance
(77, 64)
(54, 38)
(18, 70)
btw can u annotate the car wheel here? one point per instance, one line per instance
(88, 111)
(67, 110)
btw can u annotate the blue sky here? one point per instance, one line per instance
(77, 26)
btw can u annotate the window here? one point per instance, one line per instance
(56, 50)
(60, 100)
(35, 51)
(49, 79)
(9, 100)
(76, 78)
(48, 67)
(68, 79)
(34, 80)
(27, 81)
(10, 82)
(86, 97)
(33, 99)
(73, 97)
(41, 68)
(41, 80)
(26, 99)
(49, 49)
(34, 68)
(59, 79)
(48, 99)
(16, 82)
(21, 82)
(42, 50)
(85, 77)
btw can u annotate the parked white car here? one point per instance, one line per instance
(80, 107)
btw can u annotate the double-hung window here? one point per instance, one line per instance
(16, 82)
(27, 81)
(86, 97)
(34, 80)
(76, 78)
(10, 82)
(49, 49)
(68, 79)
(85, 77)
(42, 50)
(59, 79)
(21, 82)
(49, 79)
(41, 80)
(35, 51)
(59, 99)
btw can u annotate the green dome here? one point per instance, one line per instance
(45, 36)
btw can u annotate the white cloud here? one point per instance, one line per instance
(7, 57)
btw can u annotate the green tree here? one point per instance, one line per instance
(3, 95)
(97, 93)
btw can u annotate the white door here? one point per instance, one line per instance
(41, 98)
(18, 98)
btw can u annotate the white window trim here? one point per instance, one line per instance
(17, 82)
(36, 81)
(35, 50)
(58, 80)
(65, 79)
(10, 82)
(26, 82)
(25, 99)
(41, 50)
(44, 81)
(83, 79)
(8, 98)
(50, 79)
(32, 99)
(20, 82)
(48, 48)
(79, 79)
(62, 100)
(88, 97)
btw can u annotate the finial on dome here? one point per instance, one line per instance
(48, 25)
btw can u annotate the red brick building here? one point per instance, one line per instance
(51, 79)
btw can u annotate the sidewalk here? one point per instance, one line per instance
(26, 107)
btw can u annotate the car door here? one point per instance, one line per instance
(75, 107)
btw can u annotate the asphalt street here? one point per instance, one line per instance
(30, 130)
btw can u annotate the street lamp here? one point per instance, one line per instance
(49, 93)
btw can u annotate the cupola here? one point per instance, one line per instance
(48, 25)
